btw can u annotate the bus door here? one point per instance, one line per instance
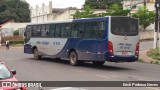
(44, 40)
(58, 38)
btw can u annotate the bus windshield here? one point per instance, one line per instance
(124, 26)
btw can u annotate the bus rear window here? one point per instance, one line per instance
(124, 26)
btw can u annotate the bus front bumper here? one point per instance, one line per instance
(28, 49)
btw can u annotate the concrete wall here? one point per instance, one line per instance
(14, 26)
(147, 34)
(8, 28)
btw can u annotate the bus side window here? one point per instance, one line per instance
(101, 30)
(80, 29)
(34, 31)
(94, 29)
(68, 29)
(63, 30)
(57, 31)
(74, 30)
(87, 28)
(47, 30)
(38, 31)
(52, 30)
(43, 31)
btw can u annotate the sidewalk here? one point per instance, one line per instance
(12, 47)
(144, 57)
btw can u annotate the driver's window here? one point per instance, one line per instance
(28, 33)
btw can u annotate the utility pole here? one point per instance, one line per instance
(157, 20)
(0, 38)
(144, 3)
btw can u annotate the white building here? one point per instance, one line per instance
(150, 4)
(128, 4)
(48, 13)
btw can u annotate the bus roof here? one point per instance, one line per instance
(76, 20)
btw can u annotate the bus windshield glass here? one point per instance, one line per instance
(124, 26)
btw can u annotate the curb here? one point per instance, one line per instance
(144, 57)
(12, 47)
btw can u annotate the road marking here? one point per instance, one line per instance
(153, 88)
(69, 88)
(79, 71)
(103, 76)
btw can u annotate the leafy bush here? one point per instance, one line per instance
(16, 42)
(16, 33)
(145, 16)
(154, 53)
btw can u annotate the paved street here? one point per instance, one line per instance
(146, 45)
(49, 69)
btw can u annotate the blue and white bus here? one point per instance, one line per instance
(110, 38)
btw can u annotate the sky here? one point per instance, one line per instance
(57, 3)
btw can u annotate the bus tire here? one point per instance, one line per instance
(36, 54)
(73, 58)
(98, 63)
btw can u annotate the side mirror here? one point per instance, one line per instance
(13, 71)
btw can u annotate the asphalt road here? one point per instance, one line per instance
(49, 69)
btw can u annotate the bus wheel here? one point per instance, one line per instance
(98, 63)
(73, 58)
(36, 55)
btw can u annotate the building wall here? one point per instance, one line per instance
(127, 4)
(41, 14)
(48, 13)
(8, 28)
(14, 26)
(149, 34)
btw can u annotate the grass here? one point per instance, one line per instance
(140, 60)
(154, 53)
(155, 62)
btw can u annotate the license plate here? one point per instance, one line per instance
(124, 53)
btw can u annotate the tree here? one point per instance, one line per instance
(102, 4)
(16, 33)
(145, 16)
(17, 10)
(87, 12)
(115, 10)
